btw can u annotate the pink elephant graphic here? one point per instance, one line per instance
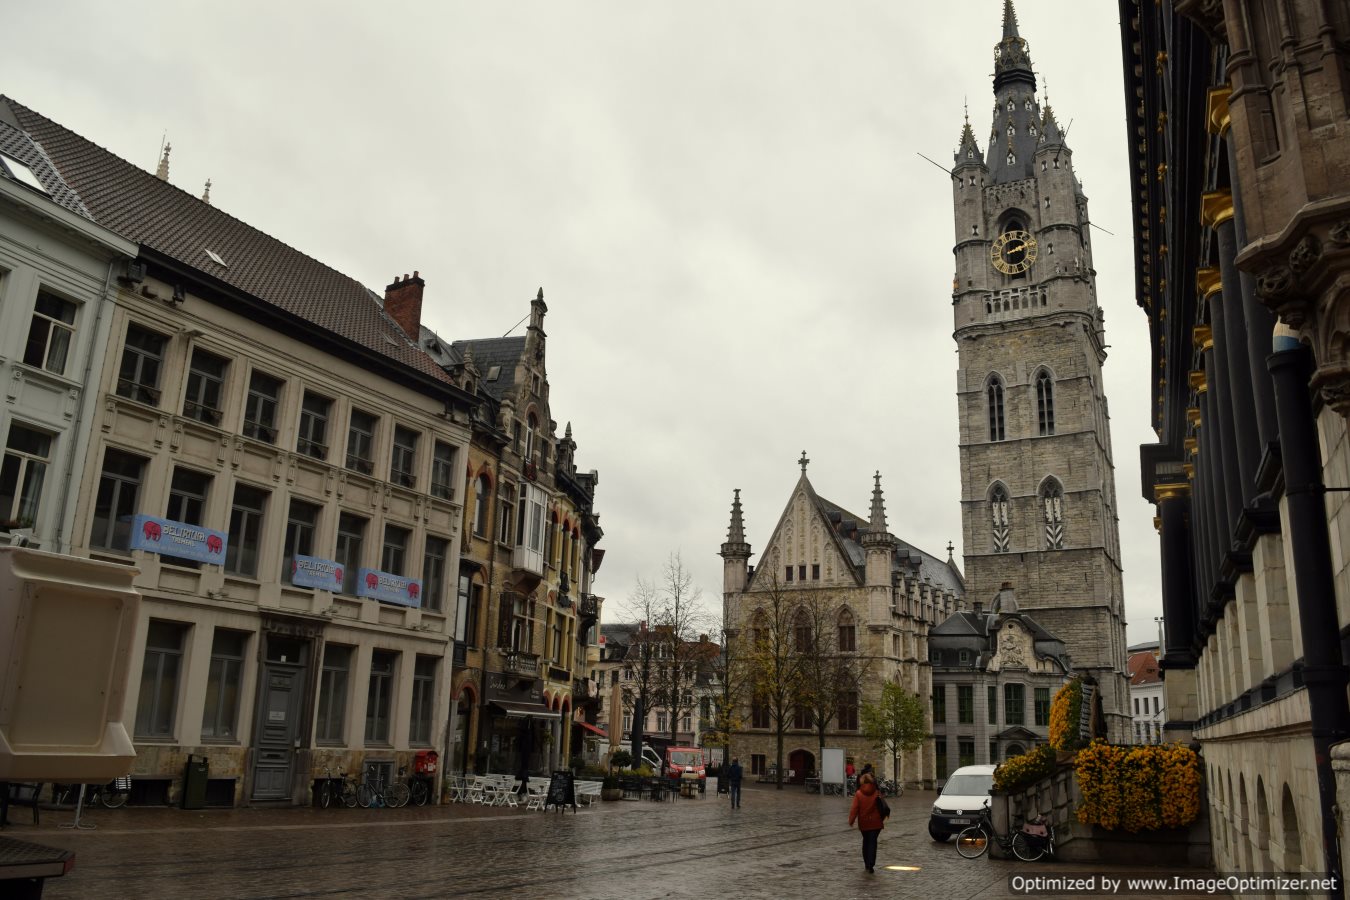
(337, 575)
(414, 589)
(372, 580)
(214, 544)
(294, 568)
(151, 530)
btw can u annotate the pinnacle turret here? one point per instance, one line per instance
(1012, 60)
(877, 520)
(969, 149)
(736, 548)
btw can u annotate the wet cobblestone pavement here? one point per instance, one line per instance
(779, 844)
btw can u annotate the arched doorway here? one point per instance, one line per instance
(800, 763)
(1013, 750)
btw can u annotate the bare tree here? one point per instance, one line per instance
(773, 665)
(680, 616)
(729, 672)
(640, 664)
(830, 669)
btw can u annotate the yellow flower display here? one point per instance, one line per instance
(1138, 788)
(1020, 771)
(1065, 711)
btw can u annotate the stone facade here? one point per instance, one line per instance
(885, 592)
(995, 673)
(530, 556)
(1239, 117)
(1038, 483)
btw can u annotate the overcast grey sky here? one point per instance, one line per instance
(742, 253)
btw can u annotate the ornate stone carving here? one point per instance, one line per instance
(1334, 382)
(1340, 233)
(1306, 254)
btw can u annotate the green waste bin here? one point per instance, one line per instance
(194, 783)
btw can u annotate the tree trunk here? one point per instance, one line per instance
(778, 776)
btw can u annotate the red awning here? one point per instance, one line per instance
(589, 727)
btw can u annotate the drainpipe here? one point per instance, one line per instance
(1324, 673)
(87, 396)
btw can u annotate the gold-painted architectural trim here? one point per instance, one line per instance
(1208, 281)
(1193, 415)
(1198, 382)
(1217, 117)
(1192, 446)
(1216, 207)
(1203, 336)
(1189, 469)
(1171, 491)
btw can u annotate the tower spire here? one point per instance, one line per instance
(736, 533)
(1009, 20)
(162, 170)
(878, 518)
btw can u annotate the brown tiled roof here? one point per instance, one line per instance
(154, 213)
(1142, 667)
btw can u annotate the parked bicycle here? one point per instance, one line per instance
(111, 795)
(419, 787)
(1034, 840)
(890, 787)
(373, 791)
(337, 789)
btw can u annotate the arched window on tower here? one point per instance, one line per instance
(1052, 511)
(1045, 403)
(1000, 514)
(994, 395)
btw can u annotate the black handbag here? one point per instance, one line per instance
(883, 807)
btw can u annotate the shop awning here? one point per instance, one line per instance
(525, 710)
(589, 727)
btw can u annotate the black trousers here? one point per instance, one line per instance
(870, 847)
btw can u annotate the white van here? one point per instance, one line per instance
(963, 796)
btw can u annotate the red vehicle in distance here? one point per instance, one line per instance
(686, 759)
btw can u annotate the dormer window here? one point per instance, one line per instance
(1011, 105)
(20, 172)
(1026, 104)
(1031, 130)
(1011, 129)
(1012, 158)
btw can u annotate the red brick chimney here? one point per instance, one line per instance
(403, 303)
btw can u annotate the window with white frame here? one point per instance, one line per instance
(394, 551)
(22, 475)
(142, 361)
(50, 333)
(313, 434)
(331, 719)
(246, 523)
(423, 695)
(434, 580)
(403, 460)
(380, 696)
(350, 538)
(157, 700)
(220, 715)
(119, 487)
(205, 385)
(361, 442)
(302, 521)
(260, 407)
(530, 525)
(443, 471)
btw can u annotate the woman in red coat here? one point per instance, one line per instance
(864, 811)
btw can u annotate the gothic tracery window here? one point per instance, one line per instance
(1001, 517)
(994, 395)
(1052, 511)
(848, 640)
(1045, 403)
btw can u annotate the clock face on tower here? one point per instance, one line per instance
(1014, 252)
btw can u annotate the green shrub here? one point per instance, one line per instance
(1029, 768)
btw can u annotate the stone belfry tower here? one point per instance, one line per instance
(1038, 498)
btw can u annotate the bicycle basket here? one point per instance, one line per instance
(122, 783)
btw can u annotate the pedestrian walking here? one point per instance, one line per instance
(864, 811)
(734, 782)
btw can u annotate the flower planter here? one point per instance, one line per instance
(611, 794)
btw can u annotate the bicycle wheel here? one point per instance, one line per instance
(365, 795)
(973, 842)
(397, 795)
(1025, 850)
(420, 794)
(326, 794)
(113, 798)
(348, 795)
